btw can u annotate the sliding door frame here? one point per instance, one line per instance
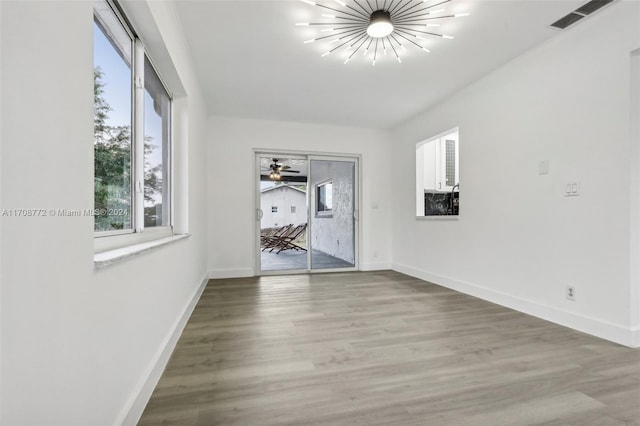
(307, 155)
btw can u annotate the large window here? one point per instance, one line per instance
(437, 175)
(132, 131)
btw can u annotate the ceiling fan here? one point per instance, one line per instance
(276, 168)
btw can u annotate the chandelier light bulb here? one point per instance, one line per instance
(380, 24)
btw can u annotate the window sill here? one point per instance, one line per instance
(111, 257)
(439, 217)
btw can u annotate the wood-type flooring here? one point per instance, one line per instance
(382, 348)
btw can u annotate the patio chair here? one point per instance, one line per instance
(268, 241)
(286, 242)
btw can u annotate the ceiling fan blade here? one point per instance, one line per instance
(289, 171)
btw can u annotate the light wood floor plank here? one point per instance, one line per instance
(382, 348)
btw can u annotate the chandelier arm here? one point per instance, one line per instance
(342, 24)
(405, 14)
(371, 7)
(409, 14)
(393, 37)
(358, 38)
(438, 4)
(395, 8)
(395, 51)
(362, 7)
(388, 8)
(408, 32)
(357, 11)
(359, 20)
(396, 40)
(405, 22)
(406, 7)
(348, 41)
(346, 34)
(422, 32)
(369, 45)
(375, 53)
(358, 48)
(339, 11)
(410, 41)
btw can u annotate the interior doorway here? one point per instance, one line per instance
(306, 213)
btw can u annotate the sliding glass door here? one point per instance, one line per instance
(307, 213)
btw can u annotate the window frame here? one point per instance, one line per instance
(113, 239)
(319, 186)
(439, 170)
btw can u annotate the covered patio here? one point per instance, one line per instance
(292, 260)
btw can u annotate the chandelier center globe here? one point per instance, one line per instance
(380, 24)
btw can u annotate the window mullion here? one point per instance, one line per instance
(138, 136)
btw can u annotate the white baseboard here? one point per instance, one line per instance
(230, 273)
(375, 266)
(133, 410)
(635, 338)
(605, 330)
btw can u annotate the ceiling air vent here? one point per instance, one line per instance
(565, 21)
(592, 6)
(581, 12)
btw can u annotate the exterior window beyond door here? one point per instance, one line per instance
(324, 197)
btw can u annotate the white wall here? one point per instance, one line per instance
(334, 234)
(231, 142)
(634, 160)
(518, 240)
(79, 344)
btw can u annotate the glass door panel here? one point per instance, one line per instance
(332, 205)
(283, 213)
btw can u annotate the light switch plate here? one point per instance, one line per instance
(572, 189)
(543, 167)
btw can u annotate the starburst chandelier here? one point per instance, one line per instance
(378, 27)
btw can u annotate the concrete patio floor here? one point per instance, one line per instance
(293, 260)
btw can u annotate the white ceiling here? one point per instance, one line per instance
(252, 62)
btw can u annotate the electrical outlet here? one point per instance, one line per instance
(571, 293)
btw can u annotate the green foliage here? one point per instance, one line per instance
(112, 170)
